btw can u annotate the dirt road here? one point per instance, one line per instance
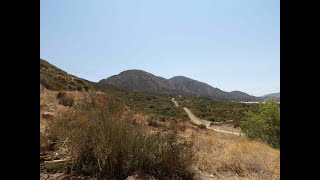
(195, 119)
(175, 102)
(199, 121)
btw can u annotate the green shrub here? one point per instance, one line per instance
(237, 124)
(79, 87)
(202, 126)
(64, 99)
(103, 145)
(153, 123)
(151, 106)
(265, 125)
(61, 94)
(162, 118)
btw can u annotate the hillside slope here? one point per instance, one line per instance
(56, 79)
(139, 80)
(272, 95)
(197, 88)
(201, 89)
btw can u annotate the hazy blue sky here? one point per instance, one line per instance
(229, 44)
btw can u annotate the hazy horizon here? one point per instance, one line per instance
(230, 45)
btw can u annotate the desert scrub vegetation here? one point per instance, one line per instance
(202, 126)
(153, 104)
(103, 145)
(216, 111)
(64, 99)
(156, 124)
(167, 124)
(46, 142)
(56, 79)
(264, 125)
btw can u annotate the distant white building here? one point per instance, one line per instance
(247, 102)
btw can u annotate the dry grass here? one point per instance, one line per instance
(49, 101)
(105, 146)
(232, 157)
(222, 155)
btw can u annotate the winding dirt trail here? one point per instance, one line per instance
(175, 102)
(199, 121)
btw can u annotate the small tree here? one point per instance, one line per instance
(265, 125)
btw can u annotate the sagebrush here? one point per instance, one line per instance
(106, 146)
(64, 99)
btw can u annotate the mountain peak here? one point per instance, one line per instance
(182, 77)
(133, 70)
(138, 71)
(139, 80)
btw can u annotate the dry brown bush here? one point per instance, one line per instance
(103, 145)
